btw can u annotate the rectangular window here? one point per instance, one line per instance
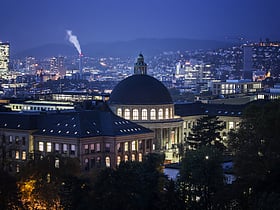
(107, 147)
(230, 125)
(73, 149)
(98, 147)
(41, 146)
(126, 146)
(17, 140)
(65, 148)
(10, 139)
(92, 148)
(57, 147)
(23, 157)
(86, 148)
(17, 154)
(133, 145)
(49, 147)
(140, 146)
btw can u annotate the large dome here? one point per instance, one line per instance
(140, 89)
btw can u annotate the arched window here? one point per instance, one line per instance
(140, 157)
(126, 114)
(144, 114)
(107, 161)
(166, 113)
(160, 114)
(153, 114)
(133, 157)
(118, 160)
(119, 112)
(135, 115)
(126, 158)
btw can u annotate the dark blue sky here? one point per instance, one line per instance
(29, 23)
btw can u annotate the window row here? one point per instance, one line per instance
(15, 140)
(145, 114)
(16, 154)
(57, 147)
(133, 146)
(96, 162)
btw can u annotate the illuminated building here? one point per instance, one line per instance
(97, 137)
(4, 58)
(145, 100)
(235, 87)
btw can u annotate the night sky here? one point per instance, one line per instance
(29, 23)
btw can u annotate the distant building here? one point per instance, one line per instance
(4, 58)
(235, 87)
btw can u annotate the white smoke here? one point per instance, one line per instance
(74, 40)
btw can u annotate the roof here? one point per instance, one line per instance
(16, 120)
(198, 108)
(88, 123)
(140, 89)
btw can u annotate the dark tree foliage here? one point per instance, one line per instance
(201, 177)
(133, 185)
(9, 195)
(256, 149)
(206, 132)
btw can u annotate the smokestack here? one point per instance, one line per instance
(81, 65)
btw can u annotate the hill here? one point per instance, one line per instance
(149, 47)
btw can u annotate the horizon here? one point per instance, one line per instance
(30, 24)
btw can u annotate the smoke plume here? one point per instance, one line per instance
(74, 40)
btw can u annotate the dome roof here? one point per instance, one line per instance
(140, 89)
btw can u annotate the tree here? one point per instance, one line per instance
(133, 185)
(206, 132)
(256, 149)
(201, 177)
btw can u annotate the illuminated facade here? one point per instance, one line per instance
(4, 58)
(98, 138)
(146, 101)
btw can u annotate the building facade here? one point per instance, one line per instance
(146, 101)
(4, 58)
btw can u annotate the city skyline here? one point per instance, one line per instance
(36, 23)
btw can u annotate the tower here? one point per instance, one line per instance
(140, 67)
(4, 57)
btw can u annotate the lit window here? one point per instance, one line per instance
(98, 147)
(49, 147)
(140, 157)
(126, 158)
(107, 161)
(17, 155)
(140, 145)
(144, 114)
(56, 146)
(92, 148)
(171, 113)
(153, 114)
(166, 113)
(160, 114)
(133, 157)
(135, 115)
(126, 146)
(119, 112)
(41, 146)
(230, 125)
(23, 157)
(133, 145)
(73, 149)
(126, 114)
(17, 168)
(56, 163)
(118, 160)
(65, 148)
